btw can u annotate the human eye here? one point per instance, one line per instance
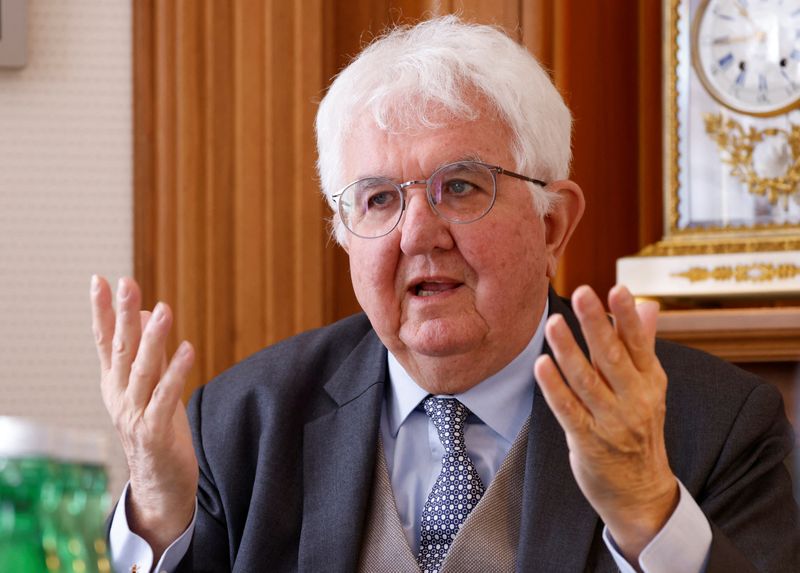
(460, 187)
(373, 196)
(380, 199)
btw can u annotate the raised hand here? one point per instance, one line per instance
(142, 391)
(612, 411)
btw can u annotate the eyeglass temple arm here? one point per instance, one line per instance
(539, 182)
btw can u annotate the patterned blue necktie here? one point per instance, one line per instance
(457, 489)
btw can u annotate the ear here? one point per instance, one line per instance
(561, 221)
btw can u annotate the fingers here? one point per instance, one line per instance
(168, 391)
(648, 314)
(570, 413)
(609, 352)
(127, 333)
(145, 318)
(635, 325)
(102, 320)
(590, 388)
(147, 368)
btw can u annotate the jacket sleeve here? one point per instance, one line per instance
(210, 546)
(748, 496)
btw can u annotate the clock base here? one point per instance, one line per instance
(726, 275)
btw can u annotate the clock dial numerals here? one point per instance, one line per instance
(748, 53)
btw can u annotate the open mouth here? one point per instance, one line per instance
(431, 288)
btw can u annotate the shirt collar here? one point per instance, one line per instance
(503, 401)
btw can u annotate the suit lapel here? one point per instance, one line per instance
(339, 459)
(558, 524)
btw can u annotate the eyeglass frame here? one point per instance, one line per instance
(495, 170)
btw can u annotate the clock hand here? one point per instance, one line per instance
(743, 11)
(746, 15)
(758, 35)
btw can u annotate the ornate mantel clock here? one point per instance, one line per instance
(732, 153)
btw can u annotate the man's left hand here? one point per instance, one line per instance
(612, 412)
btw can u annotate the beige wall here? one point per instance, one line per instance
(65, 207)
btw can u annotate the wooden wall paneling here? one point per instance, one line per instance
(219, 163)
(503, 13)
(595, 67)
(249, 236)
(536, 19)
(190, 295)
(352, 25)
(310, 231)
(650, 149)
(279, 188)
(163, 230)
(144, 112)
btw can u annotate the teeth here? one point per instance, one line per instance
(427, 293)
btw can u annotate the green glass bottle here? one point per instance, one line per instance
(53, 499)
(23, 469)
(84, 503)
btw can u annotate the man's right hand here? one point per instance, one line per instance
(142, 393)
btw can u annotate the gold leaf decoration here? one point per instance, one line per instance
(754, 273)
(738, 144)
(717, 246)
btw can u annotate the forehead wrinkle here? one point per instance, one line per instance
(475, 157)
(386, 139)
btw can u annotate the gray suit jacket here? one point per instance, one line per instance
(286, 442)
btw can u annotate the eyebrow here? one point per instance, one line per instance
(467, 157)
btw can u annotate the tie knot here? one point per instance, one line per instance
(448, 416)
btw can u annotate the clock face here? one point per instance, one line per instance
(747, 53)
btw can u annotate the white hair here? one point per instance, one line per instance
(406, 78)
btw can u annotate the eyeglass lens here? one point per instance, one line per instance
(460, 192)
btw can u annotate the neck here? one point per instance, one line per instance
(455, 374)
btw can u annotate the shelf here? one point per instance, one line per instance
(737, 335)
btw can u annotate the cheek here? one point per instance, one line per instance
(510, 266)
(372, 270)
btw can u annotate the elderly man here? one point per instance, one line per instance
(439, 431)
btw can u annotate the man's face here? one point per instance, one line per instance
(453, 302)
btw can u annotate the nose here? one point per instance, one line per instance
(421, 229)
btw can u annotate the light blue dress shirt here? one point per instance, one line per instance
(499, 405)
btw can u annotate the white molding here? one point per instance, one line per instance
(661, 276)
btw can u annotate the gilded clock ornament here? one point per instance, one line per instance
(755, 273)
(747, 54)
(766, 160)
(731, 154)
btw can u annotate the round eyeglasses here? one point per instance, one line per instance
(461, 192)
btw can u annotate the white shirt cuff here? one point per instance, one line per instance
(681, 545)
(129, 550)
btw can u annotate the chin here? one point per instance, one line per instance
(442, 337)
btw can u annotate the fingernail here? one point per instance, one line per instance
(184, 348)
(122, 289)
(554, 324)
(95, 283)
(158, 312)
